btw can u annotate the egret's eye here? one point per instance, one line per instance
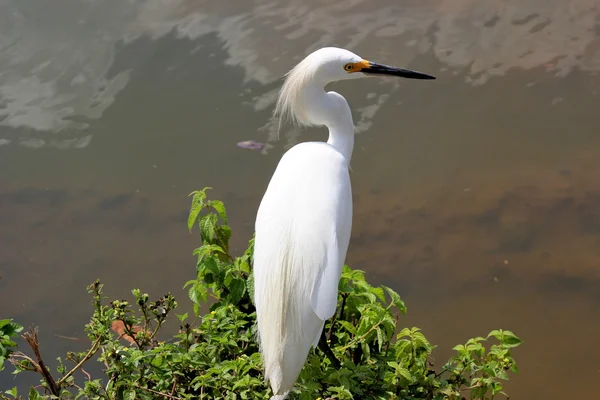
(348, 67)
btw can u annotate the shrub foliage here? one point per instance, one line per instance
(365, 352)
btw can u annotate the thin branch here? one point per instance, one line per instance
(89, 355)
(104, 354)
(129, 331)
(17, 354)
(67, 337)
(86, 374)
(160, 393)
(32, 339)
(158, 325)
(174, 385)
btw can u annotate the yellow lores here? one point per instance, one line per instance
(357, 66)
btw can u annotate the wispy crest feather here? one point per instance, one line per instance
(289, 106)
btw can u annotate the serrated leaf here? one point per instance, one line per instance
(380, 338)
(250, 287)
(396, 300)
(403, 372)
(208, 225)
(220, 209)
(378, 291)
(197, 204)
(348, 326)
(197, 293)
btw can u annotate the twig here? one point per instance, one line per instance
(67, 337)
(17, 354)
(174, 386)
(104, 354)
(32, 339)
(86, 374)
(160, 393)
(131, 333)
(158, 325)
(89, 355)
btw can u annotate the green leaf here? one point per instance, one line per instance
(401, 371)
(197, 204)
(378, 291)
(459, 347)
(380, 338)
(182, 317)
(220, 209)
(208, 226)
(396, 300)
(157, 361)
(510, 339)
(33, 394)
(211, 265)
(197, 292)
(188, 283)
(495, 333)
(237, 289)
(348, 326)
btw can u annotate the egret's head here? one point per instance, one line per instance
(334, 64)
(327, 65)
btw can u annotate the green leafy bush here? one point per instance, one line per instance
(365, 353)
(8, 330)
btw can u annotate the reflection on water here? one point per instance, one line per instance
(54, 63)
(477, 196)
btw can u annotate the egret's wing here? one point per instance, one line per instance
(303, 228)
(325, 292)
(336, 238)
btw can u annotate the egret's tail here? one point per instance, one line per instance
(287, 324)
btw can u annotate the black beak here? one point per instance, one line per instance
(380, 69)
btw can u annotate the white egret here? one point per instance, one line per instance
(305, 217)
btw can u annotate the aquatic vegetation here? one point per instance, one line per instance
(365, 352)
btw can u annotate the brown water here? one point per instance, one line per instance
(477, 196)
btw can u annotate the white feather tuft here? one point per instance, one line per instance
(287, 324)
(289, 106)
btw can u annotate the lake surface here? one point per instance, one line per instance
(477, 196)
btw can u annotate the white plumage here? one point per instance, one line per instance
(304, 220)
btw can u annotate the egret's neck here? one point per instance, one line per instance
(342, 138)
(330, 109)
